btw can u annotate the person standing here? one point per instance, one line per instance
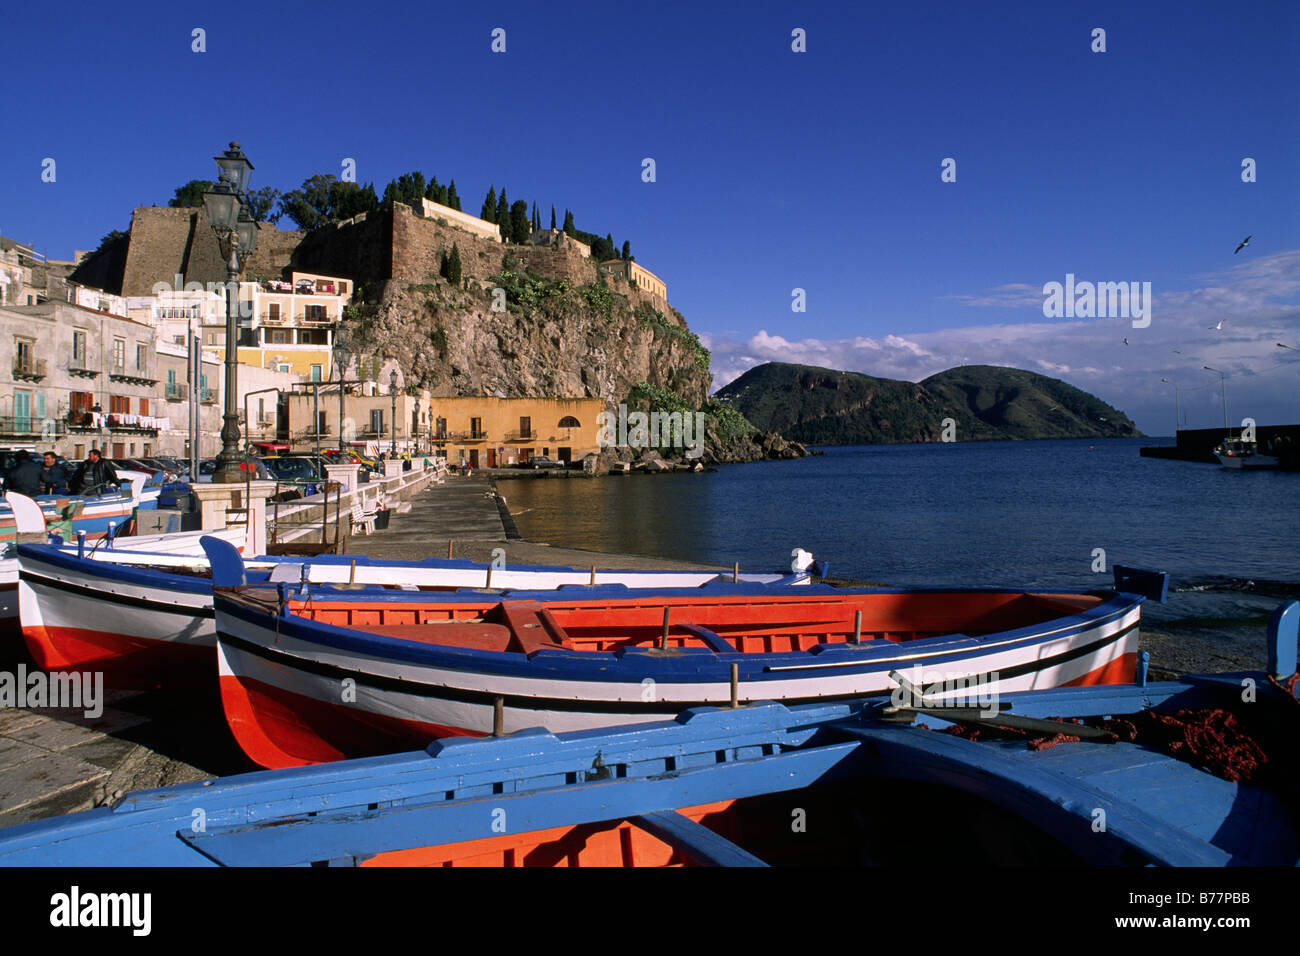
(54, 476)
(24, 476)
(94, 475)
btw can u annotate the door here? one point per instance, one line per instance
(473, 457)
(491, 457)
(119, 449)
(564, 454)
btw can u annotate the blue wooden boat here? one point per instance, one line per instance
(873, 780)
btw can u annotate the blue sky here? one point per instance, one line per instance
(776, 170)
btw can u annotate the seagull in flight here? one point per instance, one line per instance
(1126, 340)
(1244, 243)
(1217, 328)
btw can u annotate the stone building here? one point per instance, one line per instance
(76, 378)
(638, 276)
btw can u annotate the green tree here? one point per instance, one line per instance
(627, 250)
(261, 203)
(552, 217)
(443, 264)
(453, 200)
(503, 214)
(536, 219)
(453, 266)
(349, 199)
(519, 221)
(191, 194)
(569, 227)
(310, 205)
(109, 239)
(489, 211)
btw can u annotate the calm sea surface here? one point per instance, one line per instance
(985, 513)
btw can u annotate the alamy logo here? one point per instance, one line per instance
(652, 430)
(74, 908)
(71, 689)
(1101, 300)
(936, 689)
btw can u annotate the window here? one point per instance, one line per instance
(119, 356)
(22, 411)
(144, 406)
(276, 337)
(284, 367)
(119, 405)
(23, 360)
(525, 426)
(315, 373)
(78, 451)
(148, 449)
(441, 425)
(568, 421)
(377, 420)
(273, 312)
(316, 313)
(141, 358)
(476, 428)
(79, 349)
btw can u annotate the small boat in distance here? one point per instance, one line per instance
(317, 673)
(873, 779)
(1243, 455)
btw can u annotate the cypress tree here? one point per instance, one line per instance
(443, 265)
(503, 214)
(431, 191)
(453, 200)
(627, 249)
(536, 220)
(552, 217)
(489, 211)
(519, 221)
(569, 227)
(453, 266)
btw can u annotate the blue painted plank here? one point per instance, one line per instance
(698, 842)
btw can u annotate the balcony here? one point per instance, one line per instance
(207, 396)
(31, 370)
(30, 426)
(119, 373)
(78, 368)
(177, 391)
(520, 435)
(316, 319)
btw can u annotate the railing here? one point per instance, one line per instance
(177, 391)
(520, 435)
(12, 425)
(207, 396)
(30, 370)
(316, 319)
(79, 367)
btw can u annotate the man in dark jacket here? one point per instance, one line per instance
(94, 475)
(54, 476)
(24, 476)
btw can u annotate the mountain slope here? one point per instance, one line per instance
(824, 406)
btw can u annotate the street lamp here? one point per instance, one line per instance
(1223, 393)
(431, 428)
(236, 233)
(1176, 414)
(392, 387)
(340, 362)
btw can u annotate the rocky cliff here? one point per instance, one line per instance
(523, 320)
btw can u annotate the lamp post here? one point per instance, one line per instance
(1176, 414)
(1223, 394)
(236, 233)
(431, 435)
(392, 388)
(340, 362)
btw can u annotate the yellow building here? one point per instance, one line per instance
(286, 326)
(488, 432)
(639, 276)
(498, 432)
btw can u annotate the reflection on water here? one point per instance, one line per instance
(1016, 513)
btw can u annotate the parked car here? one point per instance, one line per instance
(208, 468)
(541, 461)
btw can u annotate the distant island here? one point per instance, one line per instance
(823, 406)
